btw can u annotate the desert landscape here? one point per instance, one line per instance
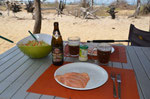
(16, 27)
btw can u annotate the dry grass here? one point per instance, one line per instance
(70, 9)
(15, 28)
(2, 8)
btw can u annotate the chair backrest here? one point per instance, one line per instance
(139, 37)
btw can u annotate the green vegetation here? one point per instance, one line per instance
(145, 9)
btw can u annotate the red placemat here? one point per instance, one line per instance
(119, 55)
(47, 85)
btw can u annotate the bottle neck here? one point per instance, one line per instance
(56, 28)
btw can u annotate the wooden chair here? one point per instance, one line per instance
(136, 37)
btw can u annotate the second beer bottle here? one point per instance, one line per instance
(57, 46)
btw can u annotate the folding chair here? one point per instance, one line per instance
(136, 37)
(139, 37)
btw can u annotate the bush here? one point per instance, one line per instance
(122, 5)
(85, 3)
(145, 9)
(1, 3)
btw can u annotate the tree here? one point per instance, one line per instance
(56, 1)
(92, 3)
(112, 12)
(117, 2)
(2, 2)
(30, 8)
(137, 11)
(38, 17)
(146, 8)
(85, 3)
(8, 6)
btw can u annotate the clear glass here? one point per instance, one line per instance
(103, 53)
(74, 44)
(92, 51)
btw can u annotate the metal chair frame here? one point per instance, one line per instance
(108, 41)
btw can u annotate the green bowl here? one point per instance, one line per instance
(36, 51)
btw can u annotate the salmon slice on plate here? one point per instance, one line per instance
(73, 79)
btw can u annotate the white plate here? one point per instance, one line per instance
(95, 51)
(112, 50)
(98, 75)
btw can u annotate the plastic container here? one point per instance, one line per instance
(83, 53)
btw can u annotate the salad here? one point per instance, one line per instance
(35, 43)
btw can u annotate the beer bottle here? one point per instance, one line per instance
(57, 46)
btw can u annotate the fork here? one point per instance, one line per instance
(114, 86)
(119, 85)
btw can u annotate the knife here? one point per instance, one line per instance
(119, 85)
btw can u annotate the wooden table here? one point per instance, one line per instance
(18, 72)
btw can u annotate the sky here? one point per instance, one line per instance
(99, 1)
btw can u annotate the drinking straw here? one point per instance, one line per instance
(33, 36)
(6, 39)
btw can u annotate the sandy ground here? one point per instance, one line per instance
(102, 28)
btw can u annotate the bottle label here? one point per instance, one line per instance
(57, 54)
(56, 36)
(83, 53)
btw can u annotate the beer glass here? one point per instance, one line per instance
(74, 43)
(103, 53)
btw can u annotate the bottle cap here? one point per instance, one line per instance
(83, 46)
